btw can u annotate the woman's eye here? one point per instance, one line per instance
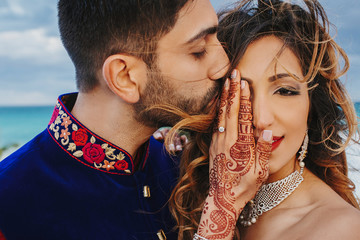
(199, 55)
(287, 92)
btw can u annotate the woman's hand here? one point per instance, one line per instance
(179, 141)
(238, 166)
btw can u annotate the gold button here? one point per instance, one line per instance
(146, 192)
(161, 235)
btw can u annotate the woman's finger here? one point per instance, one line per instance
(157, 135)
(160, 134)
(222, 110)
(243, 151)
(263, 152)
(245, 112)
(233, 103)
(184, 140)
(177, 142)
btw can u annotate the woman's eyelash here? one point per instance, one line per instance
(287, 92)
(199, 55)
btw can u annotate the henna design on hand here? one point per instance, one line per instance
(225, 199)
(264, 150)
(232, 93)
(242, 152)
(226, 173)
(223, 220)
(222, 101)
(222, 104)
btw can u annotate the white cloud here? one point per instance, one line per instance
(12, 7)
(22, 98)
(33, 44)
(40, 87)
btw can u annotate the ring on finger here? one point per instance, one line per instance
(221, 129)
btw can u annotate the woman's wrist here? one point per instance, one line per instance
(198, 237)
(216, 221)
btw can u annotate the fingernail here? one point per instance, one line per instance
(234, 74)
(157, 135)
(267, 135)
(178, 148)
(226, 83)
(242, 84)
(171, 147)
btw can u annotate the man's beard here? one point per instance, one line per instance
(158, 91)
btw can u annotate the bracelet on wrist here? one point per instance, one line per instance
(198, 237)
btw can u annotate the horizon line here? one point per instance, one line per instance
(52, 105)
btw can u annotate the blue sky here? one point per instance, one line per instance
(35, 69)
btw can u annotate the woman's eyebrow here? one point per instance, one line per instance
(281, 75)
(272, 78)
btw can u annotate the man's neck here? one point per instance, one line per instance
(111, 119)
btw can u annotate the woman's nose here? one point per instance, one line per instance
(263, 116)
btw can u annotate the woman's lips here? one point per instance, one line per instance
(276, 142)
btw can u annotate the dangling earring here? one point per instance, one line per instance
(303, 151)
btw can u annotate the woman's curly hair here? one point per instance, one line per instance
(304, 29)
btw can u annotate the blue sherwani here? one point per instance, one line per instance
(69, 183)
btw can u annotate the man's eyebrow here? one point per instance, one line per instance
(208, 31)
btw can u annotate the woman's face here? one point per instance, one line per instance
(280, 102)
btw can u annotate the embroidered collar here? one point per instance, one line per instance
(85, 146)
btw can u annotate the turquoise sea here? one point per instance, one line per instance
(21, 124)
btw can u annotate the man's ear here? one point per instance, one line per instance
(125, 75)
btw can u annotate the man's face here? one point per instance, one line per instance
(190, 60)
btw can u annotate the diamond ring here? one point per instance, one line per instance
(221, 129)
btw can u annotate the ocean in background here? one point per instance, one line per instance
(19, 125)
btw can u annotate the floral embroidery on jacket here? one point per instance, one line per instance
(79, 137)
(85, 146)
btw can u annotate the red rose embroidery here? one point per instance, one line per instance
(54, 115)
(121, 165)
(79, 137)
(93, 153)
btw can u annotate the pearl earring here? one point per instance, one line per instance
(303, 151)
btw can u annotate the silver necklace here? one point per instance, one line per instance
(272, 194)
(269, 196)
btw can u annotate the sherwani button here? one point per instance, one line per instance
(146, 192)
(161, 235)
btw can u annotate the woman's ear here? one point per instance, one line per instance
(125, 75)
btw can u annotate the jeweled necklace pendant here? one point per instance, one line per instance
(269, 196)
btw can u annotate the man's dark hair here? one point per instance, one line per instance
(92, 30)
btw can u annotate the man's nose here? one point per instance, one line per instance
(221, 63)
